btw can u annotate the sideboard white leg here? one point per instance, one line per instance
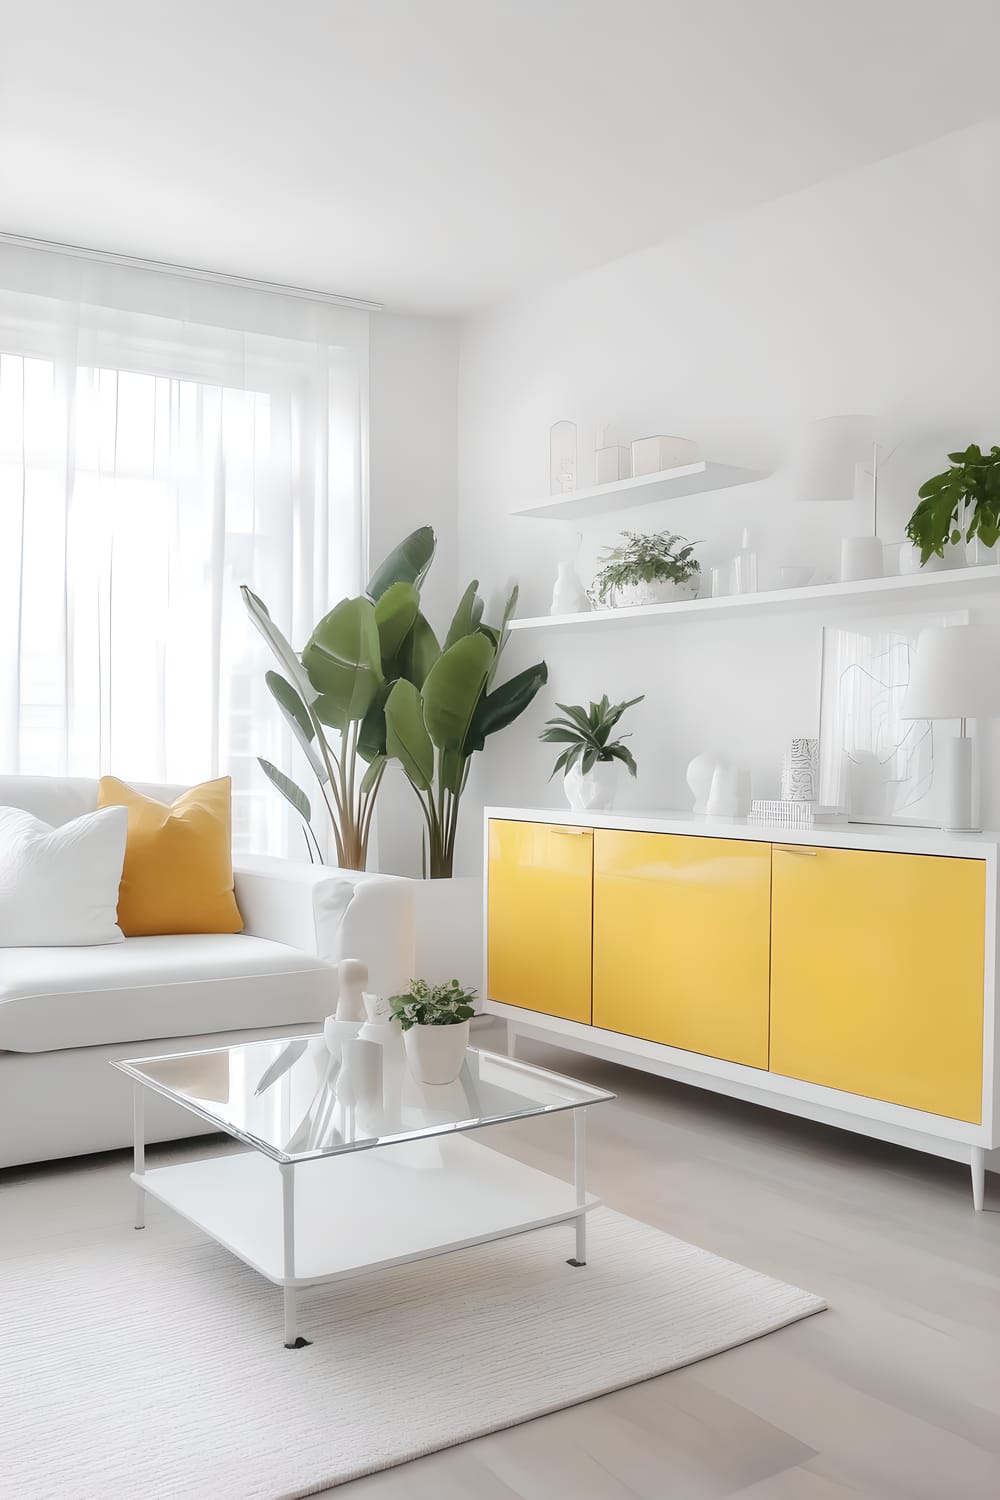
(978, 1177)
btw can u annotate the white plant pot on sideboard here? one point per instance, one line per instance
(593, 790)
(435, 1053)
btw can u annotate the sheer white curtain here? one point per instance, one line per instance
(162, 441)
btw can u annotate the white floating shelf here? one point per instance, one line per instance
(946, 584)
(670, 484)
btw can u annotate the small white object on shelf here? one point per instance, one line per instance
(794, 575)
(651, 455)
(569, 597)
(800, 771)
(611, 460)
(729, 796)
(786, 814)
(562, 457)
(744, 570)
(700, 773)
(861, 557)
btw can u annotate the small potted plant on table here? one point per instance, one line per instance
(435, 1023)
(648, 568)
(588, 762)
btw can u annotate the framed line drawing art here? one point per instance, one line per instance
(874, 764)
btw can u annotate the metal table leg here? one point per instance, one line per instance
(293, 1339)
(580, 1182)
(139, 1151)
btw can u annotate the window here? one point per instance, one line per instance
(135, 497)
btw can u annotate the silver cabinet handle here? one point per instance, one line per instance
(580, 833)
(797, 849)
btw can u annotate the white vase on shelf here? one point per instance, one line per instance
(569, 597)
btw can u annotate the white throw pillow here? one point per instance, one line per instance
(59, 886)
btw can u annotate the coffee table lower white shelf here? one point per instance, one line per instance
(334, 1200)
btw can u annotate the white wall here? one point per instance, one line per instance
(412, 482)
(877, 291)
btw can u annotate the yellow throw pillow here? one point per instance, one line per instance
(178, 872)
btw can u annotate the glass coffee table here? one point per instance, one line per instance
(344, 1177)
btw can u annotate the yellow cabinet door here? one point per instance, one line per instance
(681, 933)
(539, 917)
(877, 975)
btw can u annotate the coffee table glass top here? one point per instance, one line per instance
(292, 1099)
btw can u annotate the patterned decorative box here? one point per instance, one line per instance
(789, 814)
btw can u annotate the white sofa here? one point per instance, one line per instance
(66, 1012)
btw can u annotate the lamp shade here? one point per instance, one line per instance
(955, 673)
(827, 454)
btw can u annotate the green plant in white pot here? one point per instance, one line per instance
(647, 568)
(589, 762)
(435, 1021)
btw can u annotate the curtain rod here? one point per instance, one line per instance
(193, 273)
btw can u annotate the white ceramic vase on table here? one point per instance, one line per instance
(593, 790)
(435, 1053)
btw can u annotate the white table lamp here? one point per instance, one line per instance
(955, 674)
(832, 461)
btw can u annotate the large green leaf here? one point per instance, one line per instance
(505, 704)
(395, 613)
(453, 688)
(257, 610)
(467, 616)
(344, 662)
(419, 652)
(407, 563)
(286, 786)
(298, 720)
(504, 631)
(406, 736)
(371, 777)
(371, 736)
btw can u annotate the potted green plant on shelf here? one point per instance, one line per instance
(435, 726)
(341, 682)
(435, 1021)
(961, 502)
(647, 568)
(590, 758)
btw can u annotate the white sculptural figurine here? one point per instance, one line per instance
(700, 774)
(352, 976)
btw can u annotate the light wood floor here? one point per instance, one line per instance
(894, 1394)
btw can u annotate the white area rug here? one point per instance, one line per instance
(151, 1364)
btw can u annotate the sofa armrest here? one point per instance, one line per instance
(331, 912)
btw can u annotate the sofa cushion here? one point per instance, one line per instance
(178, 875)
(59, 886)
(148, 987)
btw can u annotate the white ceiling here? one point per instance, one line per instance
(438, 155)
